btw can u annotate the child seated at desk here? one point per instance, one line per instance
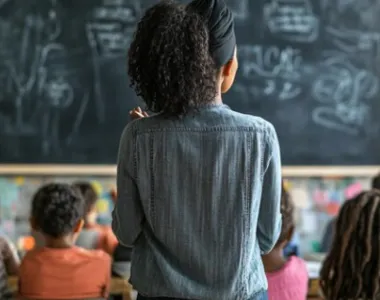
(287, 277)
(9, 265)
(59, 270)
(351, 269)
(93, 235)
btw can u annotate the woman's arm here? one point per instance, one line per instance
(269, 222)
(127, 215)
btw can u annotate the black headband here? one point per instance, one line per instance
(220, 23)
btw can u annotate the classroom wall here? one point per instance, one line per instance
(317, 201)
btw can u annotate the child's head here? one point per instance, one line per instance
(183, 57)
(352, 268)
(287, 212)
(57, 212)
(376, 182)
(90, 197)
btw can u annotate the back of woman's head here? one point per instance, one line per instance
(170, 66)
(352, 268)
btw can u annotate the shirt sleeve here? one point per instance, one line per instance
(11, 258)
(127, 215)
(269, 223)
(107, 281)
(22, 273)
(110, 240)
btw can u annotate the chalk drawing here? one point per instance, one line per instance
(343, 91)
(3, 2)
(38, 78)
(57, 93)
(22, 73)
(271, 70)
(292, 20)
(111, 27)
(353, 26)
(353, 41)
(109, 33)
(22, 76)
(79, 119)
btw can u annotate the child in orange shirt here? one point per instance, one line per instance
(59, 270)
(94, 236)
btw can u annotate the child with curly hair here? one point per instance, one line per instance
(94, 235)
(59, 270)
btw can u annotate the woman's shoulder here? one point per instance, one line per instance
(251, 120)
(142, 124)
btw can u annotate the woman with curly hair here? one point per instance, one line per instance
(198, 184)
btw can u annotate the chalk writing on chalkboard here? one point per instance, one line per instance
(52, 57)
(112, 25)
(341, 91)
(353, 26)
(292, 20)
(109, 33)
(271, 71)
(309, 67)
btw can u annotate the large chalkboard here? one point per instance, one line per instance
(311, 67)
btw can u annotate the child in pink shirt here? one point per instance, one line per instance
(287, 277)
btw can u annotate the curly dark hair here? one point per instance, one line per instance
(170, 66)
(351, 269)
(376, 182)
(57, 209)
(287, 212)
(88, 193)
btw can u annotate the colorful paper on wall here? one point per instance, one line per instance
(300, 198)
(26, 243)
(102, 206)
(332, 208)
(9, 193)
(8, 227)
(98, 187)
(320, 197)
(19, 181)
(309, 222)
(353, 190)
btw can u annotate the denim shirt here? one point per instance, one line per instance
(199, 199)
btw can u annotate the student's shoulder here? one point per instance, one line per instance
(298, 264)
(31, 258)
(33, 253)
(95, 255)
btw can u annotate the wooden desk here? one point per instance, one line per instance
(118, 286)
(313, 292)
(122, 286)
